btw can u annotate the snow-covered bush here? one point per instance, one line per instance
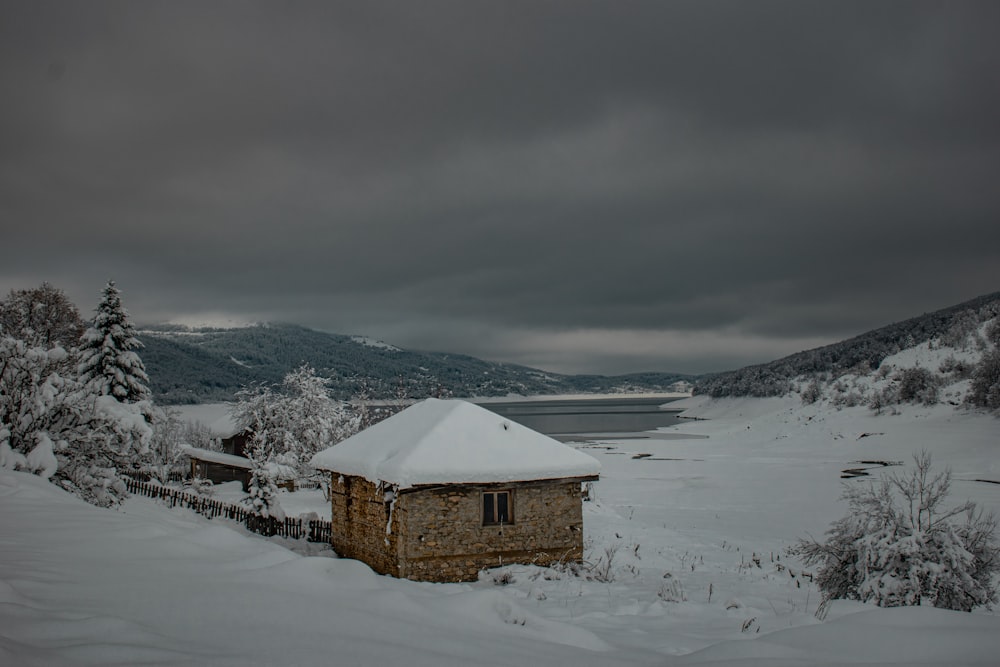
(73, 429)
(917, 385)
(297, 421)
(985, 389)
(992, 333)
(502, 577)
(165, 459)
(956, 368)
(99, 437)
(964, 326)
(41, 317)
(877, 402)
(898, 545)
(45, 415)
(200, 486)
(199, 435)
(812, 393)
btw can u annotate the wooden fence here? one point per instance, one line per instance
(146, 476)
(296, 528)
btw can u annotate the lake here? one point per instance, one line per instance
(564, 418)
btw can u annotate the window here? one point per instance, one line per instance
(497, 508)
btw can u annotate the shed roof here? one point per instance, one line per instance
(217, 457)
(453, 442)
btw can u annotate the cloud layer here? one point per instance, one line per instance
(581, 186)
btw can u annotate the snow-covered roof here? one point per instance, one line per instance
(217, 457)
(453, 442)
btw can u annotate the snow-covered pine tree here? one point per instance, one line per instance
(108, 358)
(262, 496)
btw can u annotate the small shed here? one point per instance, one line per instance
(446, 488)
(236, 443)
(218, 466)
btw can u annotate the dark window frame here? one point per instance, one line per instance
(497, 507)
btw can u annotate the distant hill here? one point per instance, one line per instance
(958, 328)
(204, 365)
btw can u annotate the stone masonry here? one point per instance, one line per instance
(436, 533)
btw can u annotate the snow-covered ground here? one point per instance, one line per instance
(693, 519)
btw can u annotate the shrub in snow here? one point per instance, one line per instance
(917, 385)
(200, 486)
(43, 412)
(992, 333)
(42, 460)
(844, 398)
(877, 402)
(671, 590)
(964, 326)
(263, 492)
(41, 317)
(985, 389)
(105, 436)
(503, 577)
(165, 460)
(958, 369)
(603, 570)
(812, 393)
(8, 457)
(297, 421)
(898, 545)
(108, 358)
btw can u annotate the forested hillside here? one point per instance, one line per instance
(959, 327)
(194, 366)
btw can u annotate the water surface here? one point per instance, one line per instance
(564, 417)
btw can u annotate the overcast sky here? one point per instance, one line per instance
(578, 186)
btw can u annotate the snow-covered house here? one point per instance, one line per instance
(446, 488)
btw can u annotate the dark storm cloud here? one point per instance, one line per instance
(581, 186)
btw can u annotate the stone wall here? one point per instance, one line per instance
(437, 534)
(359, 514)
(443, 538)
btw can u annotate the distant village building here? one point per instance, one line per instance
(219, 467)
(237, 443)
(232, 463)
(446, 488)
(228, 465)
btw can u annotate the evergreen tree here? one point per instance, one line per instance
(108, 358)
(262, 498)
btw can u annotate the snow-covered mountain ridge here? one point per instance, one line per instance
(950, 356)
(208, 365)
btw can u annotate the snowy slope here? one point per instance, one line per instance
(85, 586)
(684, 540)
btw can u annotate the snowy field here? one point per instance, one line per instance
(685, 536)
